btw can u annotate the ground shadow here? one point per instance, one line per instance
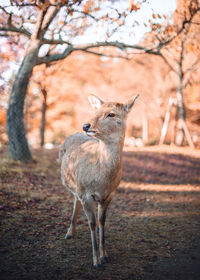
(161, 168)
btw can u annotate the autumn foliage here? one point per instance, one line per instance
(56, 105)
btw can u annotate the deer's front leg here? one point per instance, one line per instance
(89, 208)
(76, 211)
(102, 209)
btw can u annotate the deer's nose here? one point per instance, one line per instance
(86, 127)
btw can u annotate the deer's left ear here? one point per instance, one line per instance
(130, 104)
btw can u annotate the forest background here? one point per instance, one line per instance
(165, 64)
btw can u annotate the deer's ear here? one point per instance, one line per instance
(95, 101)
(130, 104)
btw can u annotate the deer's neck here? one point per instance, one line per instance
(111, 152)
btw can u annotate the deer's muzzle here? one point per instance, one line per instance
(86, 127)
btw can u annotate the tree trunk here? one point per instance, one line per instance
(43, 117)
(181, 115)
(18, 148)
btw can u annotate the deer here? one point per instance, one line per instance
(91, 168)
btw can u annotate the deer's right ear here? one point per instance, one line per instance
(95, 101)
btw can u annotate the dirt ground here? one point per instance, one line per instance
(152, 227)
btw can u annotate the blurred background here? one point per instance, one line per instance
(164, 68)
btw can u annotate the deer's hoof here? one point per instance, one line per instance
(97, 266)
(67, 236)
(104, 259)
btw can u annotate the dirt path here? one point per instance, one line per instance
(152, 228)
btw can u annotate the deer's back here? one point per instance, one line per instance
(72, 142)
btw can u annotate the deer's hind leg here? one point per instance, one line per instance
(76, 211)
(102, 209)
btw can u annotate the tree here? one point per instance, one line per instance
(38, 82)
(43, 91)
(54, 24)
(183, 57)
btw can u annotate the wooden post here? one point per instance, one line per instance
(187, 135)
(166, 121)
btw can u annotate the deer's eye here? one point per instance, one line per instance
(111, 115)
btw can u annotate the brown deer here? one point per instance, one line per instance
(91, 167)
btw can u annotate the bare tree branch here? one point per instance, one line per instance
(4, 10)
(55, 57)
(168, 63)
(121, 46)
(71, 48)
(55, 42)
(38, 24)
(85, 14)
(184, 23)
(10, 27)
(101, 54)
(188, 73)
(49, 16)
(181, 58)
(14, 29)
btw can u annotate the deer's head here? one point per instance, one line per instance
(109, 122)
